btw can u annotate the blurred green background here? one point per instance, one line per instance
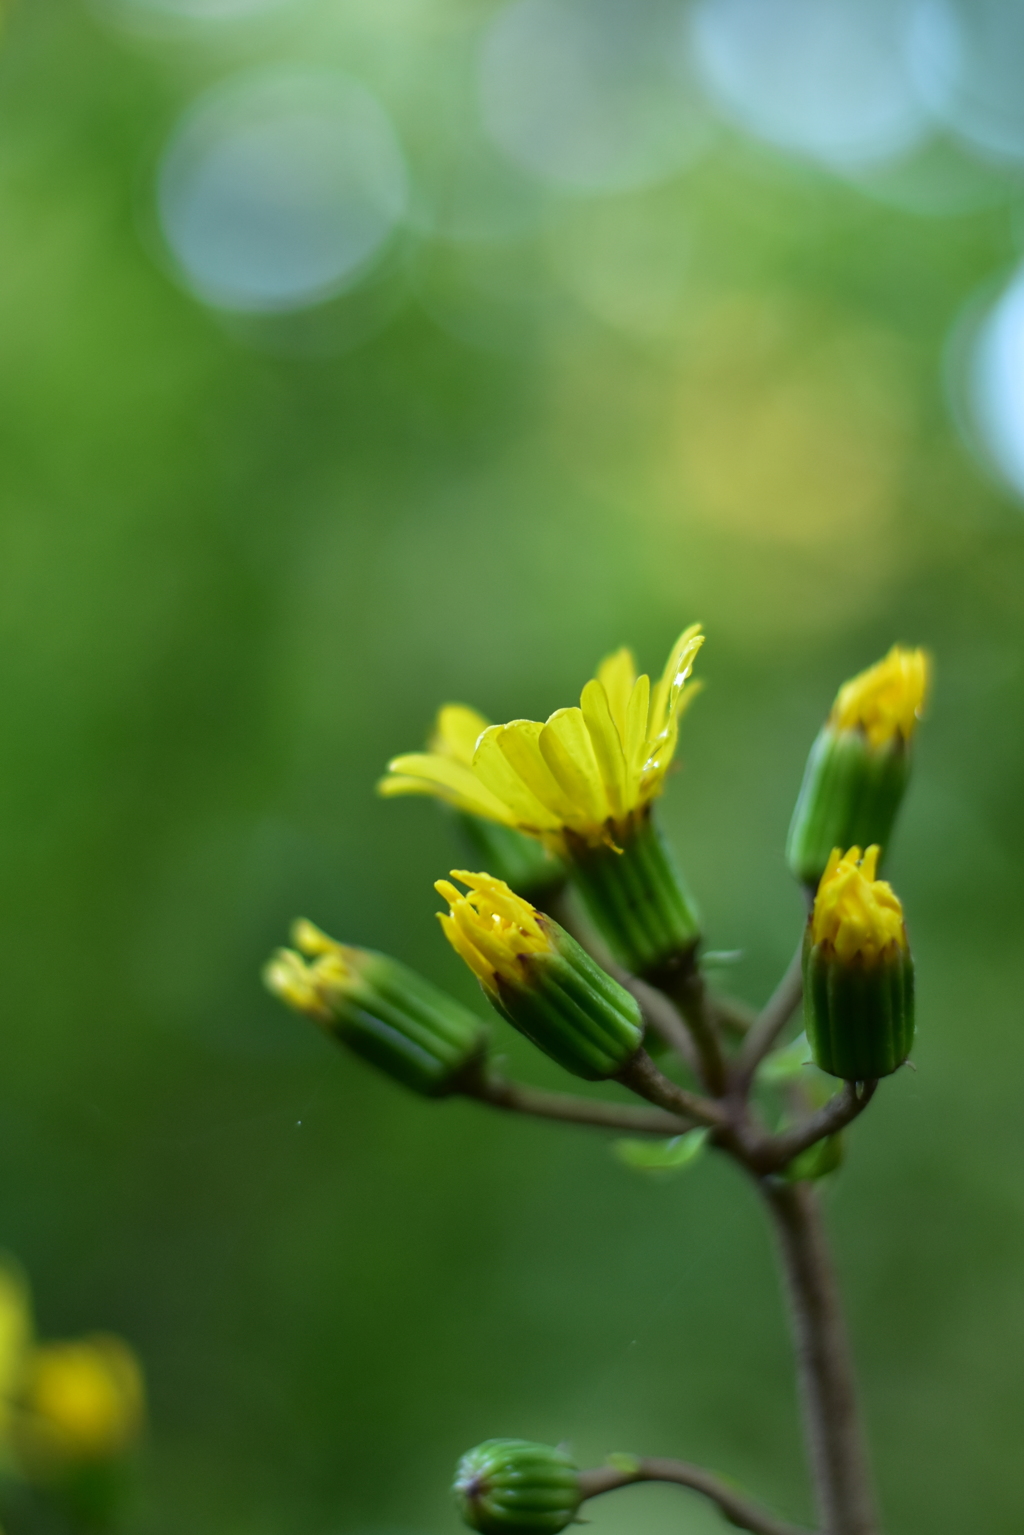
(248, 545)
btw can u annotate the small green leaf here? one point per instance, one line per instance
(664, 1157)
(785, 1064)
(818, 1161)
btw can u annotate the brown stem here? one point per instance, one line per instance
(832, 1423)
(771, 1020)
(643, 1077)
(738, 1510)
(778, 1150)
(518, 1098)
(683, 983)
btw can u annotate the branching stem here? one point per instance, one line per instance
(518, 1098)
(738, 1510)
(770, 1022)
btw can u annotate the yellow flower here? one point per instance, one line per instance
(311, 988)
(855, 913)
(456, 732)
(583, 775)
(82, 1401)
(491, 928)
(886, 700)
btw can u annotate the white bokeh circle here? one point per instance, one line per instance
(826, 79)
(591, 96)
(279, 189)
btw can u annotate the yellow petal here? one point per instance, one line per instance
(617, 674)
(456, 732)
(509, 762)
(668, 693)
(568, 751)
(634, 740)
(427, 773)
(607, 744)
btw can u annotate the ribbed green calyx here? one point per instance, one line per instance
(380, 1009)
(522, 862)
(572, 1009)
(859, 1013)
(515, 1487)
(849, 797)
(636, 897)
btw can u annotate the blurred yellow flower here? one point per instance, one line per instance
(583, 775)
(62, 1404)
(855, 913)
(886, 700)
(81, 1401)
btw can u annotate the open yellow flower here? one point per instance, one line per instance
(855, 913)
(886, 700)
(582, 776)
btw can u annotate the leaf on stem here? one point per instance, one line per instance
(664, 1158)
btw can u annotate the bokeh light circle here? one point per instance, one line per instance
(280, 189)
(827, 79)
(988, 381)
(968, 63)
(591, 95)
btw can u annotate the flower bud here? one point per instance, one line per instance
(858, 972)
(539, 978)
(513, 1487)
(859, 765)
(382, 1010)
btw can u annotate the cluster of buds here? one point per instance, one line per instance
(571, 801)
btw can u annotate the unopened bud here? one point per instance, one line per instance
(539, 978)
(858, 972)
(859, 765)
(514, 1487)
(382, 1010)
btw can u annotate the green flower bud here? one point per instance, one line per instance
(539, 978)
(858, 972)
(636, 897)
(859, 765)
(513, 1487)
(379, 1008)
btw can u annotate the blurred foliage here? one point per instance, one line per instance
(241, 566)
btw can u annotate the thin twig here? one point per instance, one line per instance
(518, 1098)
(738, 1510)
(642, 1076)
(775, 1151)
(832, 1421)
(660, 1015)
(771, 1020)
(684, 984)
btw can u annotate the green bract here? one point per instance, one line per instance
(636, 897)
(859, 1013)
(849, 797)
(515, 1487)
(572, 1009)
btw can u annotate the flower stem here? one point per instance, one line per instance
(837, 1452)
(739, 1510)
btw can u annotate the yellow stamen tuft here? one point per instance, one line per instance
(308, 980)
(585, 773)
(886, 700)
(854, 912)
(491, 928)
